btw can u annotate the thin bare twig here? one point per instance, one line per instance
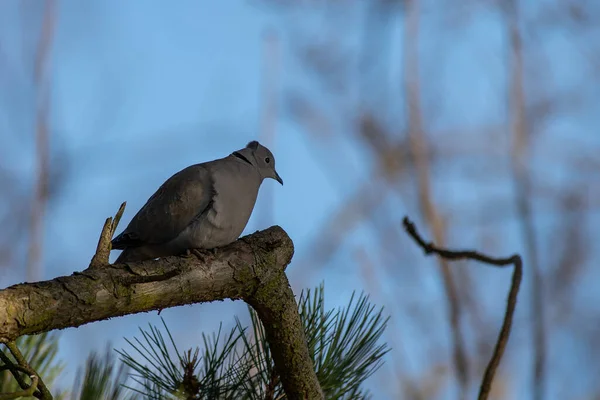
(7, 366)
(40, 391)
(27, 390)
(515, 260)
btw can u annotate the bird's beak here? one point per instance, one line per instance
(278, 178)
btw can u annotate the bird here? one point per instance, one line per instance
(204, 206)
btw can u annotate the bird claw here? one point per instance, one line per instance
(201, 254)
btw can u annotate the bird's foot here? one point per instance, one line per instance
(199, 253)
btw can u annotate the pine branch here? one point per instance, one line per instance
(343, 344)
(160, 372)
(102, 378)
(28, 391)
(251, 269)
(40, 352)
(37, 387)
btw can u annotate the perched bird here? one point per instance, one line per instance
(203, 206)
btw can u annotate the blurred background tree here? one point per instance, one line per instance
(478, 119)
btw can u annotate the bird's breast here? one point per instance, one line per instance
(235, 194)
(231, 210)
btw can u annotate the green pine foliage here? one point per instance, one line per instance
(343, 344)
(163, 372)
(103, 379)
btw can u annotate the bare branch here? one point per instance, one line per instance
(523, 193)
(28, 391)
(37, 388)
(14, 369)
(104, 242)
(515, 260)
(44, 393)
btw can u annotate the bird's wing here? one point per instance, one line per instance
(171, 208)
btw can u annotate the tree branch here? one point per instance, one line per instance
(29, 389)
(285, 334)
(251, 269)
(36, 382)
(104, 242)
(430, 248)
(7, 364)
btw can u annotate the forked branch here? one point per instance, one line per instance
(251, 269)
(37, 388)
(515, 260)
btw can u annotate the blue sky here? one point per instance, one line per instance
(141, 91)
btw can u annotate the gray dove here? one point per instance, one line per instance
(203, 206)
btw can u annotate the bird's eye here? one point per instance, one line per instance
(267, 160)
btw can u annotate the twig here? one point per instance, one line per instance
(430, 248)
(24, 366)
(26, 391)
(8, 364)
(104, 245)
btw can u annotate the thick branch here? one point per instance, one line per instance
(285, 335)
(252, 269)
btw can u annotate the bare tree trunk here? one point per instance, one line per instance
(418, 144)
(42, 142)
(524, 193)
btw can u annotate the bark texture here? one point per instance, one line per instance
(251, 269)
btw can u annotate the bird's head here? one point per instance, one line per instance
(261, 158)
